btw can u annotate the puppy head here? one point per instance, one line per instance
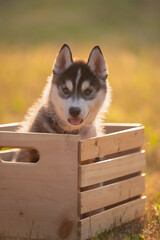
(79, 89)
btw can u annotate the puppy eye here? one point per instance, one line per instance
(66, 91)
(87, 92)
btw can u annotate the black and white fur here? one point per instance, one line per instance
(72, 99)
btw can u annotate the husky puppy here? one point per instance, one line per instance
(72, 99)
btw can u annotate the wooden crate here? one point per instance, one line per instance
(69, 190)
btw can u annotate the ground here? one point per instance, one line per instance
(147, 227)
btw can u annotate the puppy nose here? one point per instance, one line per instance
(74, 111)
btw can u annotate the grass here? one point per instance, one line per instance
(127, 31)
(145, 228)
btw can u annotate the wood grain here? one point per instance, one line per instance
(112, 217)
(111, 143)
(113, 168)
(111, 194)
(40, 198)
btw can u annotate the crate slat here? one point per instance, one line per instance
(113, 168)
(112, 217)
(9, 126)
(31, 140)
(116, 127)
(111, 143)
(111, 194)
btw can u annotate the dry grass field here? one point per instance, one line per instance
(31, 34)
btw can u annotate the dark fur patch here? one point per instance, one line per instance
(86, 74)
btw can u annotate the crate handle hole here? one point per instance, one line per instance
(19, 155)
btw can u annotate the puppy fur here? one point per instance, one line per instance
(73, 85)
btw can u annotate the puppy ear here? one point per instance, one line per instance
(63, 60)
(97, 63)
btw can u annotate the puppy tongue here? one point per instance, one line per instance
(75, 121)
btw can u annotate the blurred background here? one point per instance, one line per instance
(128, 32)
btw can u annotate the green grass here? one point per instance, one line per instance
(144, 228)
(31, 33)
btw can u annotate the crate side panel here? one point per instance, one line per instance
(110, 169)
(111, 194)
(116, 127)
(112, 143)
(111, 218)
(30, 140)
(9, 126)
(40, 198)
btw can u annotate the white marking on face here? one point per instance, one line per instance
(85, 85)
(80, 103)
(78, 77)
(89, 109)
(69, 85)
